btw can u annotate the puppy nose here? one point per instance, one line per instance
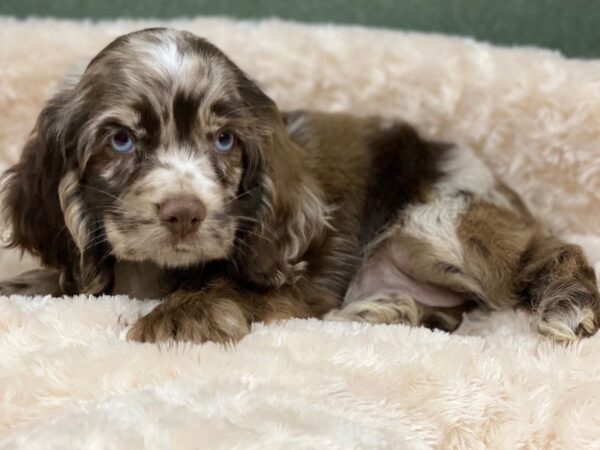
(182, 215)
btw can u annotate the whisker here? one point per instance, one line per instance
(237, 197)
(102, 191)
(258, 222)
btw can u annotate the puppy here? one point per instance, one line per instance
(166, 172)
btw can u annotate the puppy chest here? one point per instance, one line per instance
(140, 280)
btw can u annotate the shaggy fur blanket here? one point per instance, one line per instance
(68, 379)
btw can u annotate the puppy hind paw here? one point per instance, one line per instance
(566, 323)
(336, 315)
(563, 291)
(390, 310)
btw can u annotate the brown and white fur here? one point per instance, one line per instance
(307, 215)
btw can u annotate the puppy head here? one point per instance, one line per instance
(163, 151)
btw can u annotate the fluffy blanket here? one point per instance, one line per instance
(68, 379)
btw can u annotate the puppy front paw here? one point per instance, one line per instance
(190, 317)
(33, 282)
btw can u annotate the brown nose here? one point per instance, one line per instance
(182, 215)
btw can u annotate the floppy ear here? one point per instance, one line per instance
(291, 213)
(42, 203)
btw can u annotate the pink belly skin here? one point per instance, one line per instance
(387, 274)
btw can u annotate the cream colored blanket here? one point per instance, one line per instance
(68, 379)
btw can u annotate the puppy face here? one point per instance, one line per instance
(162, 151)
(162, 155)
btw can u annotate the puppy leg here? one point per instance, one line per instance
(514, 262)
(33, 282)
(493, 254)
(223, 312)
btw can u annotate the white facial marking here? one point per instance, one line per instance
(167, 55)
(178, 172)
(183, 171)
(184, 71)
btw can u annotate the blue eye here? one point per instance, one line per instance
(122, 142)
(224, 141)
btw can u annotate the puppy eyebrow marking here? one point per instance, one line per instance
(185, 111)
(149, 120)
(229, 109)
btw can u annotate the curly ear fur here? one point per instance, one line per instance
(295, 214)
(292, 215)
(42, 205)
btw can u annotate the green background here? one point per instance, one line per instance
(571, 26)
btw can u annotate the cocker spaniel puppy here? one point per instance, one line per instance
(166, 172)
